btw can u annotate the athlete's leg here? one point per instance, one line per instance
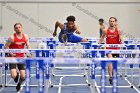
(21, 68)
(14, 73)
(75, 39)
(64, 38)
(110, 68)
(84, 40)
(22, 76)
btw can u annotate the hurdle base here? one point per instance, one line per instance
(112, 86)
(1, 85)
(89, 84)
(53, 75)
(71, 85)
(10, 85)
(74, 75)
(131, 86)
(51, 85)
(125, 75)
(84, 75)
(5, 85)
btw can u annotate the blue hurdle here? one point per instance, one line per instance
(47, 52)
(41, 75)
(88, 55)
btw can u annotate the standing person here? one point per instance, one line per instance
(17, 41)
(67, 31)
(113, 36)
(102, 27)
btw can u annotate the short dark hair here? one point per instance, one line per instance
(17, 24)
(101, 20)
(70, 18)
(113, 18)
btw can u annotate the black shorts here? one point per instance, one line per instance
(115, 55)
(19, 66)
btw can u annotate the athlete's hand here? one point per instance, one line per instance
(122, 42)
(30, 55)
(77, 32)
(54, 33)
(99, 42)
(12, 54)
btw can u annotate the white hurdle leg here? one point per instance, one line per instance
(46, 89)
(88, 75)
(51, 74)
(120, 69)
(125, 70)
(0, 75)
(139, 76)
(125, 73)
(131, 66)
(47, 76)
(93, 77)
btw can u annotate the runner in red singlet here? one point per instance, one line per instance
(17, 41)
(113, 36)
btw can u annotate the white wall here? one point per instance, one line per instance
(47, 13)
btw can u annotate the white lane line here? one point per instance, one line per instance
(131, 84)
(98, 89)
(60, 83)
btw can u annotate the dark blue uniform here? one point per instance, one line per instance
(70, 35)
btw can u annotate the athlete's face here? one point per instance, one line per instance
(18, 29)
(100, 23)
(112, 22)
(71, 24)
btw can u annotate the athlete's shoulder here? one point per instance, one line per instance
(118, 29)
(104, 30)
(102, 27)
(11, 38)
(61, 25)
(26, 36)
(76, 27)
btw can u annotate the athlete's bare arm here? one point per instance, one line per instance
(28, 45)
(10, 40)
(27, 41)
(102, 36)
(102, 27)
(76, 28)
(57, 24)
(120, 36)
